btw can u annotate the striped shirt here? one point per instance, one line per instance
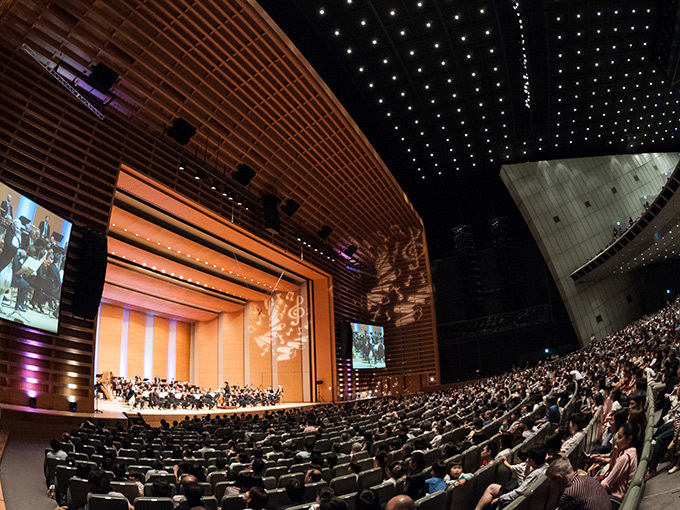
(584, 493)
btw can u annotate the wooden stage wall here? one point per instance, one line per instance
(261, 345)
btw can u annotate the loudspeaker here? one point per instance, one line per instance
(271, 213)
(350, 250)
(181, 131)
(91, 274)
(290, 207)
(102, 78)
(243, 174)
(324, 232)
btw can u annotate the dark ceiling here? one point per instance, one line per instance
(449, 90)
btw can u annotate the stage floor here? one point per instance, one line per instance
(115, 409)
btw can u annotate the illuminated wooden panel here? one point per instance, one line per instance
(110, 330)
(183, 361)
(288, 324)
(161, 331)
(260, 345)
(232, 348)
(206, 352)
(136, 338)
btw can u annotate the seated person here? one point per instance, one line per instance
(623, 463)
(100, 485)
(436, 483)
(577, 491)
(492, 495)
(455, 475)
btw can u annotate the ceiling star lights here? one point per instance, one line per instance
(525, 63)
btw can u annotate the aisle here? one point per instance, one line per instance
(21, 474)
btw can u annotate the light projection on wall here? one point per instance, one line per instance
(400, 295)
(284, 321)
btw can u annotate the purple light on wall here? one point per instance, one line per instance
(31, 380)
(32, 393)
(31, 355)
(32, 368)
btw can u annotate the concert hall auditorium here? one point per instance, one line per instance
(339, 254)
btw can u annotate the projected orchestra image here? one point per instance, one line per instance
(33, 245)
(158, 393)
(368, 346)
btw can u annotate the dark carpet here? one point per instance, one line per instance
(21, 473)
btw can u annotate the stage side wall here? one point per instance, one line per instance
(116, 323)
(571, 207)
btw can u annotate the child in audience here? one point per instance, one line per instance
(455, 475)
(436, 483)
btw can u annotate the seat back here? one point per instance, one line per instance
(433, 501)
(127, 489)
(458, 497)
(386, 491)
(100, 502)
(235, 502)
(76, 495)
(312, 489)
(220, 488)
(344, 484)
(277, 498)
(481, 480)
(370, 477)
(284, 478)
(276, 471)
(210, 502)
(148, 489)
(146, 503)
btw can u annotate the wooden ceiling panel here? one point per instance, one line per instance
(230, 72)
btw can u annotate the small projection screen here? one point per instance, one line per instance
(368, 346)
(33, 246)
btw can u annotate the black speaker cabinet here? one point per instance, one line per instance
(91, 275)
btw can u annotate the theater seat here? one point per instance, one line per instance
(99, 502)
(210, 502)
(433, 501)
(312, 489)
(235, 502)
(144, 503)
(127, 489)
(344, 484)
(277, 498)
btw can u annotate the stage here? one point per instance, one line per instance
(112, 409)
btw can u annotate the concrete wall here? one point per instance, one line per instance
(571, 207)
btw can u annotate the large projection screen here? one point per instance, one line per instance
(33, 246)
(368, 346)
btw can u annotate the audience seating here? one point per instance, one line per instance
(99, 502)
(144, 503)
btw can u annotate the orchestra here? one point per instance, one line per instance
(159, 393)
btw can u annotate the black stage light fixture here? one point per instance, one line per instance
(350, 250)
(271, 213)
(72, 406)
(33, 402)
(324, 232)
(243, 174)
(290, 207)
(181, 131)
(102, 78)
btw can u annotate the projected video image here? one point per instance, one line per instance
(33, 245)
(368, 346)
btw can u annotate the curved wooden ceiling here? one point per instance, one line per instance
(227, 69)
